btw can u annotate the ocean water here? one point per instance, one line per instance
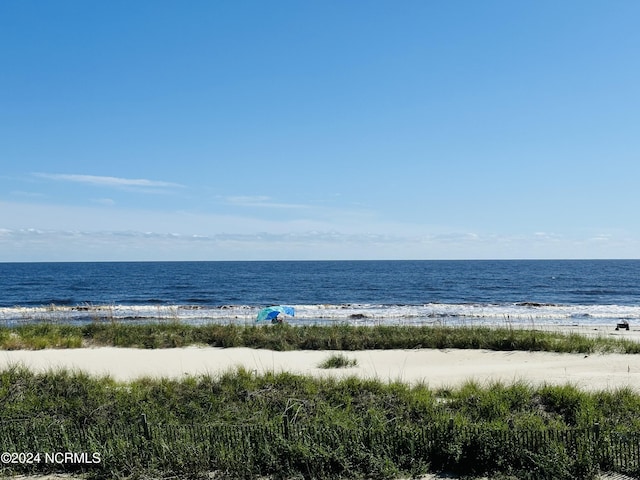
(571, 292)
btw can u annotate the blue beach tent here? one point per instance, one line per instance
(270, 313)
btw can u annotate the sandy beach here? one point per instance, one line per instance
(436, 368)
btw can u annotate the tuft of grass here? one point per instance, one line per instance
(40, 336)
(339, 360)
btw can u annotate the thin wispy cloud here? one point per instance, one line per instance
(107, 181)
(23, 194)
(107, 202)
(260, 201)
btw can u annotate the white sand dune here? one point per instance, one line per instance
(436, 368)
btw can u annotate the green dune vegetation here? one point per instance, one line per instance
(241, 424)
(286, 337)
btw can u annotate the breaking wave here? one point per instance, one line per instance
(524, 313)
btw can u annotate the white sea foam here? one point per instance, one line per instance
(357, 314)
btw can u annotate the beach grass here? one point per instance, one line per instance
(286, 337)
(338, 360)
(280, 425)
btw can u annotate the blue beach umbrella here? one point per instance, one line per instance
(270, 313)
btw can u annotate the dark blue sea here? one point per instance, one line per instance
(571, 292)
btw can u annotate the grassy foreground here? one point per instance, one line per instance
(286, 337)
(243, 425)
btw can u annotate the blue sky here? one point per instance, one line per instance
(246, 130)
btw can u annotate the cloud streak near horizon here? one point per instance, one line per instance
(84, 245)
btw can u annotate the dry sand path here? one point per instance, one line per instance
(436, 368)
